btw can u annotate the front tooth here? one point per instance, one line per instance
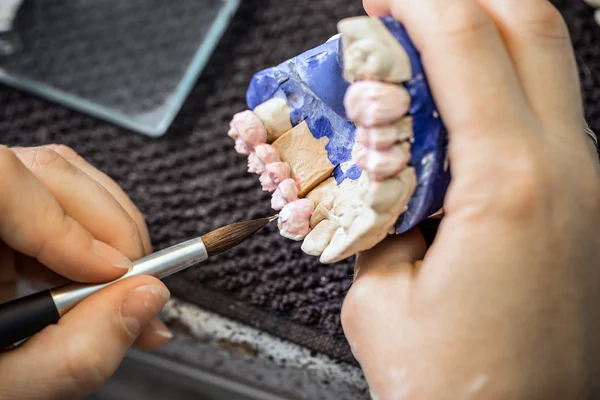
(317, 240)
(372, 103)
(383, 164)
(275, 115)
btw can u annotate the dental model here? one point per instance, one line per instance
(596, 5)
(348, 139)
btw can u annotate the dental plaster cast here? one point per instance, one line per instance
(595, 4)
(348, 139)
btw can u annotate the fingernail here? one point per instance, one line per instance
(160, 329)
(112, 255)
(141, 306)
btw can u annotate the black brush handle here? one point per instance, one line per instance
(24, 317)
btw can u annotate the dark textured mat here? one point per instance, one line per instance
(191, 180)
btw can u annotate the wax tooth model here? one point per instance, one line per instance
(348, 139)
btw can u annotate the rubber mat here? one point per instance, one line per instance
(191, 180)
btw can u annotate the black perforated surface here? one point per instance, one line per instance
(191, 180)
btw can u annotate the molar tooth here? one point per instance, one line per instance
(372, 103)
(370, 51)
(382, 195)
(317, 240)
(383, 164)
(384, 137)
(275, 115)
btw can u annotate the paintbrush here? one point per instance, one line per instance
(24, 317)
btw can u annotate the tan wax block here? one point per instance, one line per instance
(306, 156)
(372, 52)
(275, 116)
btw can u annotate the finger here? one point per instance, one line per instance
(110, 185)
(395, 252)
(471, 76)
(154, 336)
(72, 358)
(538, 41)
(33, 223)
(377, 8)
(379, 298)
(84, 200)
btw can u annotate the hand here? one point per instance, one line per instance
(60, 218)
(504, 304)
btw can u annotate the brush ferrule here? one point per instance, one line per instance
(160, 265)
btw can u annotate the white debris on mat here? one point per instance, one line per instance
(8, 12)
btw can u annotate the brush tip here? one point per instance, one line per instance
(229, 236)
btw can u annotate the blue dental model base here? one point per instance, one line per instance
(313, 86)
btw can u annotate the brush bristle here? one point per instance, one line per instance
(227, 237)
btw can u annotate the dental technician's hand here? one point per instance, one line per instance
(62, 218)
(505, 303)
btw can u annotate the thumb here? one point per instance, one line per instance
(72, 358)
(375, 309)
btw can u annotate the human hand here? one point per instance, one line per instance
(60, 218)
(504, 303)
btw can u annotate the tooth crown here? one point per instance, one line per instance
(357, 109)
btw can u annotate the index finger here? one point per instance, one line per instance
(468, 66)
(33, 223)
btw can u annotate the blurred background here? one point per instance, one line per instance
(145, 90)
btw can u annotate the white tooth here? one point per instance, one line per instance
(384, 137)
(384, 164)
(322, 211)
(275, 115)
(318, 239)
(370, 227)
(372, 103)
(382, 195)
(336, 246)
(371, 51)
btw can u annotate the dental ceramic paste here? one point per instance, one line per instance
(348, 139)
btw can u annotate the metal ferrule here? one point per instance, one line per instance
(160, 265)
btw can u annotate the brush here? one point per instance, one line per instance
(24, 317)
